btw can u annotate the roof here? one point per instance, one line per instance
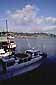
(33, 50)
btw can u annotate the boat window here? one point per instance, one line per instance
(29, 52)
(25, 60)
(36, 53)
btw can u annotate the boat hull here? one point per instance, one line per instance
(18, 69)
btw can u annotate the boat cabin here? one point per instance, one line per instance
(33, 52)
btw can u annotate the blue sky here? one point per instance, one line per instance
(43, 12)
(48, 7)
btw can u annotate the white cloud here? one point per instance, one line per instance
(8, 12)
(50, 29)
(24, 16)
(27, 19)
(51, 20)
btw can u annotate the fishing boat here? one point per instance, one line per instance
(20, 63)
(6, 42)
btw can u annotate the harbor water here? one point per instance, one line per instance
(44, 44)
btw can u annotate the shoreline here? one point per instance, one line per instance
(31, 37)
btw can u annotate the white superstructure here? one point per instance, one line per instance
(3, 53)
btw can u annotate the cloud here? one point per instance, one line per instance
(51, 20)
(27, 19)
(8, 12)
(24, 16)
(50, 29)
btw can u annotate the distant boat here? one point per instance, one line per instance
(11, 45)
(10, 37)
(7, 42)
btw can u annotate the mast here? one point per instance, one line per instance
(6, 27)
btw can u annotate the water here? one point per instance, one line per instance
(47, 71)
(47, 45)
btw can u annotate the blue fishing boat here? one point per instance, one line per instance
(20, 63)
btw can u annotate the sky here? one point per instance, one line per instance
(28, 15)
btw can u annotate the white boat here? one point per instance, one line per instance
(7, 41)
(10, 37)
(8, 44)
(11, 44)
(4, 54)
